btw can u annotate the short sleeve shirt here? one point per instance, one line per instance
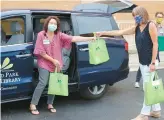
(53, 49)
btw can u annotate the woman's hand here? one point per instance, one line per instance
(93, 38)
(99, 34)
(152, 67)
(57, 64)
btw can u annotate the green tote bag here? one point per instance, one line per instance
(98, 52)
(58, 84)
(161, 43)
(154, 90)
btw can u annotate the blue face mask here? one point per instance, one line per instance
(138, 19)
(52, 27)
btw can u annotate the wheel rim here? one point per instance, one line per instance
(96, 89)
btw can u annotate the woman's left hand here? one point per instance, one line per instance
(152, 67)
(99, 34)
(93, 38)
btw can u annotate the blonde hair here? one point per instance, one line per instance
(141, 11)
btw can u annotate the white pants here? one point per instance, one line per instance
(147, 109)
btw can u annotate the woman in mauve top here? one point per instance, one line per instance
(147, 46)
(48, 50)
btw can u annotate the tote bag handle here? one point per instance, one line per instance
(154, 76)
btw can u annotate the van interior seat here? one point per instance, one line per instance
(17, 37)
(66, 28)
(3, 37)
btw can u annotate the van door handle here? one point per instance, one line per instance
(84, 49)
(24, 55)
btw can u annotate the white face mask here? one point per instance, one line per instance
(52, 27)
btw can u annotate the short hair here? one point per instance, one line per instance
(141, 11)
(45, 27)
(159, 13)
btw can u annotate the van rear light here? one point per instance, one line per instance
(126, 46)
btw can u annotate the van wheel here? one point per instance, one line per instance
(94, 92)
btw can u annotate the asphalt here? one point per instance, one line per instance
(121, 102)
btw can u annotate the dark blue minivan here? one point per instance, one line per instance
(19, 73)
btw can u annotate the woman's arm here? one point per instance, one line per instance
(80, 39)
(127, 31)
(54, 61)
(154, 35)
(47, 57)
(68, 39)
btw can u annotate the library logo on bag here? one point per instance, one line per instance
(59, 81)
(98, 48)
(156, 87)
(97, 53)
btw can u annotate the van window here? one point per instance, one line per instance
(12, 31)
(37, 25)
(90, 24)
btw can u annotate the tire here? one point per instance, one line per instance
(90, 94)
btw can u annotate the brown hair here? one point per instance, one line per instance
(141, 11)
(159, 13)
(47, 20)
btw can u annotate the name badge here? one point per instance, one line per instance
(46, 41)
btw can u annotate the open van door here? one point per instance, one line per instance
(106, 6)
(89, 18)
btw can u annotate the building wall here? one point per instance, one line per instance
(65, 5)
(151, 6)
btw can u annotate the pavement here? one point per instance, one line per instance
(134, 63)
(121, 102)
